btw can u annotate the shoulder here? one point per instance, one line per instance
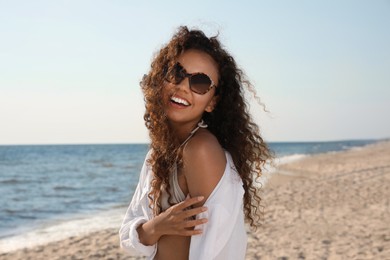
(204, 147)
(204, 163)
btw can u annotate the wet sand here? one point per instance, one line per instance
(327, 206)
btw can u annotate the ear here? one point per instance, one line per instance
(213, 102)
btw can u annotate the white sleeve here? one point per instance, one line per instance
(137, 214)
(215, 233)
(224, 207)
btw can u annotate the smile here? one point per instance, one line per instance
(179, 101)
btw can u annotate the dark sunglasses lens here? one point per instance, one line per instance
(175, 75)
(200, 83)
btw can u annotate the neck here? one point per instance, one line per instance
(183, 130)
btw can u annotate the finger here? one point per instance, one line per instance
(188, 233)
(192, 212)
(188, 202)
(193, 223)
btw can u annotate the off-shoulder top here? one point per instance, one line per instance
(224, 235)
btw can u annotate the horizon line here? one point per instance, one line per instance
(147, 143)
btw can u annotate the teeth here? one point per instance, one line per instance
(180, 101)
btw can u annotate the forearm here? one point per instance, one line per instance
(148, 233)
(173, 221)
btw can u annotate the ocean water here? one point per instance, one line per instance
(40, 182)
(49, 192)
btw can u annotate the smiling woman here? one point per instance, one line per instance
(196, 187)
(198, 82)
(182, 95)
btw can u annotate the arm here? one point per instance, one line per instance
(137, 213)
(140, 231)
(172, 222)
(204, 164)
(211, 172)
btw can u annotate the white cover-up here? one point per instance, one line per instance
(224, 235)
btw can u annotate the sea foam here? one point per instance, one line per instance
(78, 225)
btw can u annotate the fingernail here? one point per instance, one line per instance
(204, 208)
(200, 198)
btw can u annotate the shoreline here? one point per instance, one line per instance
(315, 207)
(57, 230)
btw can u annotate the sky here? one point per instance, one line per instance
(70, 70)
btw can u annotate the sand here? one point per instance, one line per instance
(327, 206)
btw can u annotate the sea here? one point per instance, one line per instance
(51, 192)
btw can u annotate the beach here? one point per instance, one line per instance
(327, 206)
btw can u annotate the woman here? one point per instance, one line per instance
(197, 183)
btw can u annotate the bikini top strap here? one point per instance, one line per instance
(201, 124)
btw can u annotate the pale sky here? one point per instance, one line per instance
(70, 70)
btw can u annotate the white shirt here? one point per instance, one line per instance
(224, 235)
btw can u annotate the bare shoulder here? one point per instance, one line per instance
(204, 163)
(204, 148)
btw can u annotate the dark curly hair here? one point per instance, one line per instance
(230, 121)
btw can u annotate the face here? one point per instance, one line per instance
(183, 105)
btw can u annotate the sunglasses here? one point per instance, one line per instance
(199, 82)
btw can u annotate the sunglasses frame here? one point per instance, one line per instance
(189, 76)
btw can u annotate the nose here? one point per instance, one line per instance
(184, 85)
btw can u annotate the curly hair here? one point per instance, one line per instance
(230, 121)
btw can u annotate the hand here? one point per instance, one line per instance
(177, 220)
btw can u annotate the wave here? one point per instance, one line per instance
(61, 187)
(269, 169)
(290, 158)
(13, 181)
(103, 163)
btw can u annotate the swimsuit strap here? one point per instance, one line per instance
(201, 124)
